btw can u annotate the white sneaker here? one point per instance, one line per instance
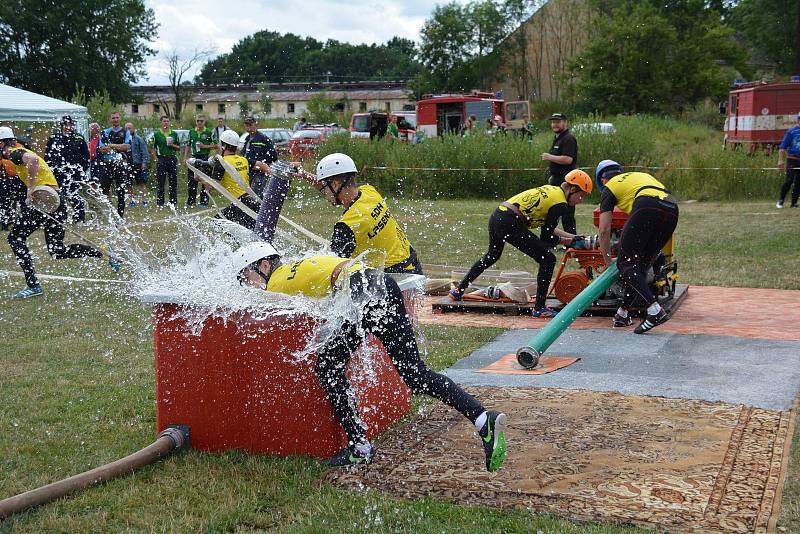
(779, 204)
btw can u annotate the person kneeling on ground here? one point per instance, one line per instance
(512, 222)
(367, 222)
(384, 315)
(653, 216)
(230, 141)
(35, 173)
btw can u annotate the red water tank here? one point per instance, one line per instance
(237, 385)
(618, 218)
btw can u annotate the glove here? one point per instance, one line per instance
(283, 170)
(191, 161)
(578, 242)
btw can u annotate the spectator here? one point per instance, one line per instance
(299, 125)
(562, 158)
(115, 149)
(166, 145)
(469, 126)
(257, 148)
(789, 158)
(201, 141)
(140, 158)
(12, 192)
(499, 124)
(68, 157)
(217, 133)
(95, 164)
(392, 132)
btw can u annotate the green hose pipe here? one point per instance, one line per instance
(528, 356)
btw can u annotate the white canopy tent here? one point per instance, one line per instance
(18, 105)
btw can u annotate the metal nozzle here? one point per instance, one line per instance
(528, 357)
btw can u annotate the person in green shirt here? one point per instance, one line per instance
(392, 133)
(166, 145)
(201, 141)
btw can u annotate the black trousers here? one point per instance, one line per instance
(507, 227)
(258, 182)
(385, 318)
(191, 190)
(649, 227)
(27, 223)
(235, 214)
(167, 168)
(12, 192)
(792, 177)
(119, 174)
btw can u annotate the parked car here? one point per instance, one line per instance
(304, 142)
(280, 137)
(373, 124)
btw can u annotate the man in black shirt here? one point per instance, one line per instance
(257, 147)
(68, 156)
(562, 157)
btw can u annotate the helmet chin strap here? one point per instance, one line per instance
(335, 192)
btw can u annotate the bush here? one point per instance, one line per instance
(687, 157)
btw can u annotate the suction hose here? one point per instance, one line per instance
(528, 356)
(169, 441)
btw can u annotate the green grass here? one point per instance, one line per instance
(77, 388)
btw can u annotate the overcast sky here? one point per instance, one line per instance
(219, 24)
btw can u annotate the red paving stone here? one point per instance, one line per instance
(724, 311)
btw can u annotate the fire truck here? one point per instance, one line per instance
(758, 114)
(448, 113)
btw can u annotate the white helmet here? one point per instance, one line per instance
(229, 137)
(250, 253)
(6, 133)
(335, 164)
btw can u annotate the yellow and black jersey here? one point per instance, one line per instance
(629, 186)
(314, 276)
(44, 176)
(373, 227)
(227, 181)
(535, 203)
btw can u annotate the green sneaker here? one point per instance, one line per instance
(350, 456)
(493, 436)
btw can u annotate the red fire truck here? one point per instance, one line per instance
(758, 114)
(448, 113)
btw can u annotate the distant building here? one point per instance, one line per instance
(289, 100)
(534, 57)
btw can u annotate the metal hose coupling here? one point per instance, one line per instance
(179, 434)
(528, 357)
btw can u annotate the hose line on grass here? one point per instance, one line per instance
(169, 441)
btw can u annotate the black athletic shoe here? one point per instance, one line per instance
(651, 321)
(621, 322)
(493, 435)
(349, 456)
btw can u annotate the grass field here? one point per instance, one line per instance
(77, 388)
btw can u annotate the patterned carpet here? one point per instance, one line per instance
(670, 464)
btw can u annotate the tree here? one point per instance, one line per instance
(771, 30)
(245, 109)
(446, 40)
(489, 29)
(50, 47)
(286, 58)
(264, 100)
(654, 56)
(179, 65)
(321, 109)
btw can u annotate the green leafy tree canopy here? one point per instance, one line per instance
(654, 57)
(94, 44)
